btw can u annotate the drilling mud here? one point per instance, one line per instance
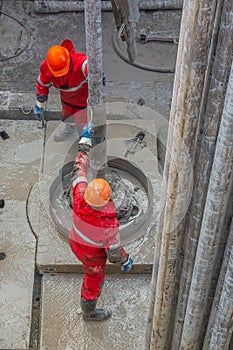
(132, 195)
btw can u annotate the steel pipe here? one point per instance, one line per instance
(78, 6)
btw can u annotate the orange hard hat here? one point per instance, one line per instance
(58, 59)
(98, 193)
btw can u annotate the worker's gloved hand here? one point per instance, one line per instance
(85, 143)
(88, 130)
(127, 265)
(82, 164)
(39, 110)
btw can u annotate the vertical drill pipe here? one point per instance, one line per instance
(96, 110)
(94, 51)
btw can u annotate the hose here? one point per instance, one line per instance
(28, 36)
(115, 42)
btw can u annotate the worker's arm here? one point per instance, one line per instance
(119, 256)
(43, 84)
(115, 251)
(84, 68)
(79, 176)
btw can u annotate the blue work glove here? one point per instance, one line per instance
(127, 265)
(39, 110)
(85, 142)
(88, 130)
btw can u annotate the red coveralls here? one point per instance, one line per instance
(73, 86)
(93, 233)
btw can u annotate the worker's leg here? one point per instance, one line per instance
(91, 288)
(94, 263)
(71, 127)
(93, 279)
(91, 313)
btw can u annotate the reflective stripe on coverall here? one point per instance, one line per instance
(73, 86)
(100, 226)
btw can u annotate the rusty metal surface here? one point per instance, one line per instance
(62, 326)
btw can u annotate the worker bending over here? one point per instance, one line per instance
(67, 71)
(94, 236)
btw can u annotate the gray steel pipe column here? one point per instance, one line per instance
(191, 66)
(96, 108)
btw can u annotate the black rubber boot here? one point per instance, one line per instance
(91, 313)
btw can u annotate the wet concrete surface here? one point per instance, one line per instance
(62, 326)
(20, 163)
(57, 324)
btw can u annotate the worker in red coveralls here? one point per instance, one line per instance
(67, 71)
(94, 236)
